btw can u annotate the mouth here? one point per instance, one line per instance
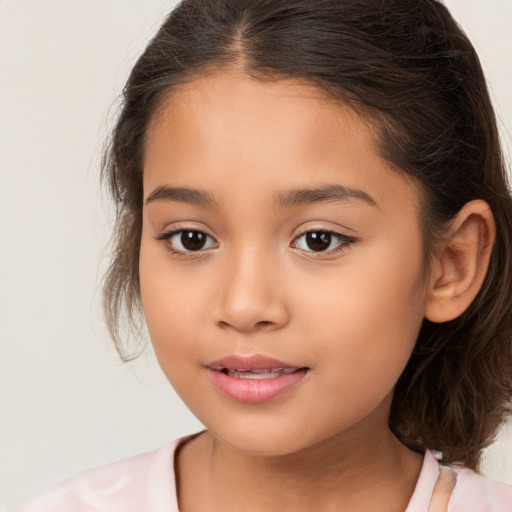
(254, 379)
(267, 373)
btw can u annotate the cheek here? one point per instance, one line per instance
(174, 334)
(370, 315)
(169, 306)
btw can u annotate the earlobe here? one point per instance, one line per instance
(461, 263)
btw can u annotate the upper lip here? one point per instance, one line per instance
(252, 362)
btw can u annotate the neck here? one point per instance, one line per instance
(348, 471)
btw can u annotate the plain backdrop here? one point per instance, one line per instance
(66, 400)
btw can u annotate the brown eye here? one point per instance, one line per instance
(193, 240)
(187, 241)
(322, 241)
(318, 240)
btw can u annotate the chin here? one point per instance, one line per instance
(271, 440)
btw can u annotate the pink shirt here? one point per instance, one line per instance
(146, 483)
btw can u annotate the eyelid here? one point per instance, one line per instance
(165, 238)
(345, 242)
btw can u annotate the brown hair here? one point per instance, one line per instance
(407, 67)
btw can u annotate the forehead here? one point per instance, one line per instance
(236, 108)
(226, 127)
(242, 93)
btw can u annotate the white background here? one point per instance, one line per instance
(66, 400)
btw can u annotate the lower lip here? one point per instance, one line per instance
(255, 391)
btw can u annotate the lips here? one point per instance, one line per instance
(254, 379)
(267, 373)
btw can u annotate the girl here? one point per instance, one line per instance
(313, 216)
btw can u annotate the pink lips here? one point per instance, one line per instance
(253, 379)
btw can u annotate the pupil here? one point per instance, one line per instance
(318, 240)
(193, 240)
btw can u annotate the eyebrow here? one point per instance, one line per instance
(182, 195)
(288, 199)
(325, 193)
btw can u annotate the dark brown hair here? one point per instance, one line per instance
(410, 70)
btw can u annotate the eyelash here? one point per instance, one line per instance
(166, 239)
(344, 242)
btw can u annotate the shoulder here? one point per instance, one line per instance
(479, 494)
(142, 482)
(472, 492)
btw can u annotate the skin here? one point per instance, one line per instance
(350, 316)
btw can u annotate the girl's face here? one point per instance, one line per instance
(276, 239)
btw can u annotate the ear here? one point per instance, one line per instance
(461, 262)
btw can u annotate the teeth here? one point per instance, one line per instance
(265, 374)
(268, 373)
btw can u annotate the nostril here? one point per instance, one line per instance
(258, 325)
(264, 325)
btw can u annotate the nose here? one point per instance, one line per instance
(252, 297)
